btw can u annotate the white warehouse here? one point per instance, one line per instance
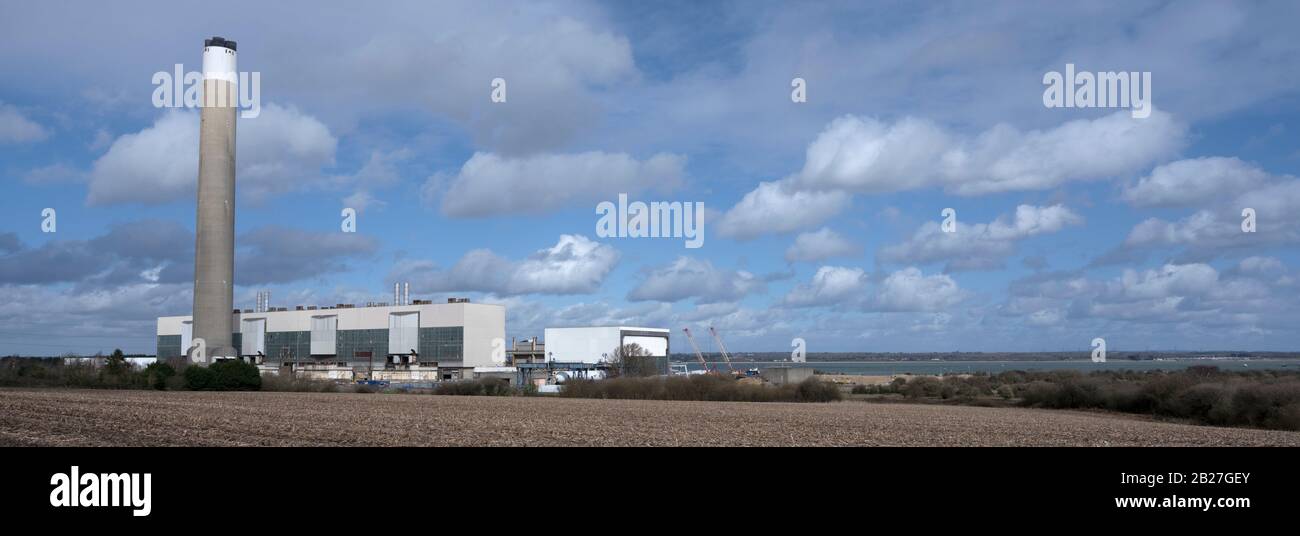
(596, 344)
(449, 336)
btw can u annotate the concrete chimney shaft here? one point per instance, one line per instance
(214, 244)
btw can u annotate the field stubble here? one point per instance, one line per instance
(153, 418)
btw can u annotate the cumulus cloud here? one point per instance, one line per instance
(17, 128)
(490, 184)
(980, 246)
(1212, 231)
(1192, 181)
(820, 245)
(122, 316)
(776, 207)
(830, 285)
(123, 255)
(1195, 296)
(552, 64)
(909, 290)
(574, 265)
(688, 277)
(281, 150)
(864, 155)
(1260, 265)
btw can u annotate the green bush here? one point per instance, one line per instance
(198, 378)
(158, 374)
(224, 375)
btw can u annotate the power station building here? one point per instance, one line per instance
(452, 337)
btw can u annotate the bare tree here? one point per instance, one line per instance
(632, 360)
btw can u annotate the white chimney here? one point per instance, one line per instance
(406, 294)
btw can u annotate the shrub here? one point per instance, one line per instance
(235, 375)
(158, 374)
(197, 378)
(814, 390)
(1006, 392)
(224, 375)
(1268, 405)
(1039, 394)
(922, 386)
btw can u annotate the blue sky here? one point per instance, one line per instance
(822, 217)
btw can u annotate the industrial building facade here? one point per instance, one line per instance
(448, 336)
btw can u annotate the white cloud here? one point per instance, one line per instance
(17, 128)
(117, 317)
(980, 246)
(820, 245)
(362, 200)
(574, 265)
(1192, 181)
(1260, 265)
(279, 151)
(865, 155)
(830, 285)
(490, 184)
(909, 290)
(688, 277)
(774, 207)
(1208, 232)
(59, 173)
(1193, 296)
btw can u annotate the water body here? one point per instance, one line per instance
(888, 368)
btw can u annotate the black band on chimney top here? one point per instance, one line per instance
(217, 41)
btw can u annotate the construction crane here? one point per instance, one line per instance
(698, 355)
(725, 356)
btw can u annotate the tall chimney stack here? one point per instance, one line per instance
(214, 243)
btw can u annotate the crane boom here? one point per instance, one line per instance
(698, 355)
(725, 355)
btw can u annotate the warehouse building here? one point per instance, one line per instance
(595, 345)
(345, 341)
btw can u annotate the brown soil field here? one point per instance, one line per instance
(152, 418)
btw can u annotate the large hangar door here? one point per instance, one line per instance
(253, 334)
(323, 329)
(403, 332)
(187, 337)
(656, 346)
